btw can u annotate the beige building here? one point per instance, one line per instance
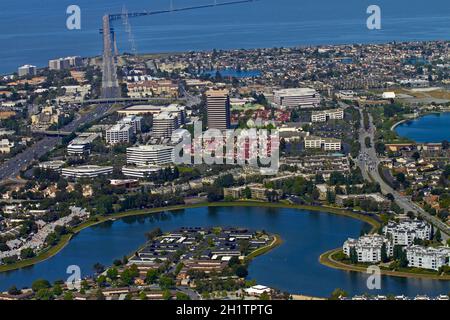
(218, 108)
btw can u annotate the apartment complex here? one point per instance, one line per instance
(27, 70)
(218, 109)
(65, 63)
(405, 232)
(368, 248)
(427, 257)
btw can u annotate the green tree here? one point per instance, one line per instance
(40, 284)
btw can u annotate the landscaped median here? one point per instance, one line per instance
(50, 252)
(328, 260)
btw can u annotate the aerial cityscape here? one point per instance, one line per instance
(295, 170)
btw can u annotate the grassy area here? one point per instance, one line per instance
(48, 253)
(260, 251)
(328, 260)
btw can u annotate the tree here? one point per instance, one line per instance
(44, 294)
(167, 295)
(14, 291)
(112, 273)
(182, 296)
(338, 293)
(151, 276)
(99, 268)
(241, 271)
(353, 255)
(40, 284)
(57, 290)
(384, 255)
(264, 296)
(165, 282)
(438, 236)
(68, 295)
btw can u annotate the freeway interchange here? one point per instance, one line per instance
(10, 169)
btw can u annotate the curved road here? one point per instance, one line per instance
(368, 162)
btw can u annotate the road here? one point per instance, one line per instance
(10, 169)
(368, 161)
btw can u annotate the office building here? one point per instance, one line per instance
(133, 121)
(119, 133)
(149, 154)
(88, 171)
(297, 97)
(164, 124)
(218, 109)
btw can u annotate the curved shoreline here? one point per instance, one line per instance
(50, 252)
(326, 259)
(395, 125)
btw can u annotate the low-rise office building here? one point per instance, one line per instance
(323, 116)
(327, 144)
(140, 171)
(297, 97)
(149, 154)
(119, 133)
(88, 171)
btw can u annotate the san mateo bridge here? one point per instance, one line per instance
(110, 84)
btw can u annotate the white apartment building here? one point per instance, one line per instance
(149, 154)
(164, 124)
(65, 63)
(323, 116)
(119, 133)
(297, 97)
(368, 248)
(427, 258)
(139, 171)
(27, 70)
(328, 144)
(404, 232)
(134, 121)
(88, 171)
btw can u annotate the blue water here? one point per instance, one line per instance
(33, 31)
(293, 266)
(429, 128)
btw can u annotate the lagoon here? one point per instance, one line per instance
(429, 128)
(293, 266)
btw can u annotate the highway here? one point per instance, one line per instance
(10, 169)
(368, 161)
